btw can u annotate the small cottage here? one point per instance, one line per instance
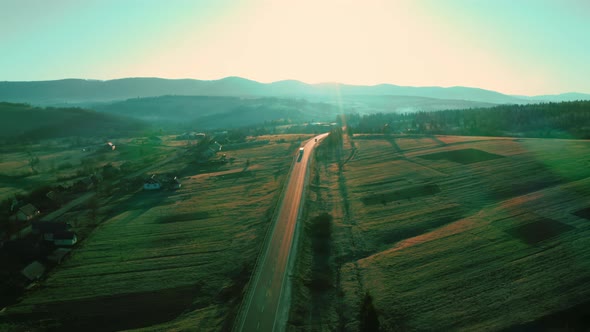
(27, 212)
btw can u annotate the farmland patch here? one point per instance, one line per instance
(464, 156)
(539, 230)
(405, 193)
(449, 258)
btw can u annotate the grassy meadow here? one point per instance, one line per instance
(455, 233)
(168, 260)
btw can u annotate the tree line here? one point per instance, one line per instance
(559, 120)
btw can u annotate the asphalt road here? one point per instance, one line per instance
(265, 305)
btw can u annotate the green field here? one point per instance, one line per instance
(170, 259)
(454, 233)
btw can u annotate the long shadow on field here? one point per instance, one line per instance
(576, 318)
(139, 202)
(111, 313)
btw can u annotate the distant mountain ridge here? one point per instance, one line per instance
(69, 91)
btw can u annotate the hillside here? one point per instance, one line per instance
(210, 112)
(25, 121)
(80, 91)
(445, 233)
(169, 260)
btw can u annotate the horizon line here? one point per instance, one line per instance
(292, 80)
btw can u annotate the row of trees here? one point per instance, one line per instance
(566, 119)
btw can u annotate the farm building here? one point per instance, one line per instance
(152, 184)
(27, 212)
(209, 152)
(65, 238)
(33, 271)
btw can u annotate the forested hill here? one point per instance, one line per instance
(561, 120)
(22, 121)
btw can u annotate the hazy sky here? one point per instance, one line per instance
(512, 46)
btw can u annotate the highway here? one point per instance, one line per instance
(265, 306)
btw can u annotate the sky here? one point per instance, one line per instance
(524, 47)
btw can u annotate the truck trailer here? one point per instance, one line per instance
(300, 154)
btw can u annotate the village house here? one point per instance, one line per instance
(176, 183)
(152, 184)
(215, 146)
(27, 212)
(210, 152)
(65, 238)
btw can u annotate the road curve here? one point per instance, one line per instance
(261, 310)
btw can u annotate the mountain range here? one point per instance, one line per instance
(80, 91)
